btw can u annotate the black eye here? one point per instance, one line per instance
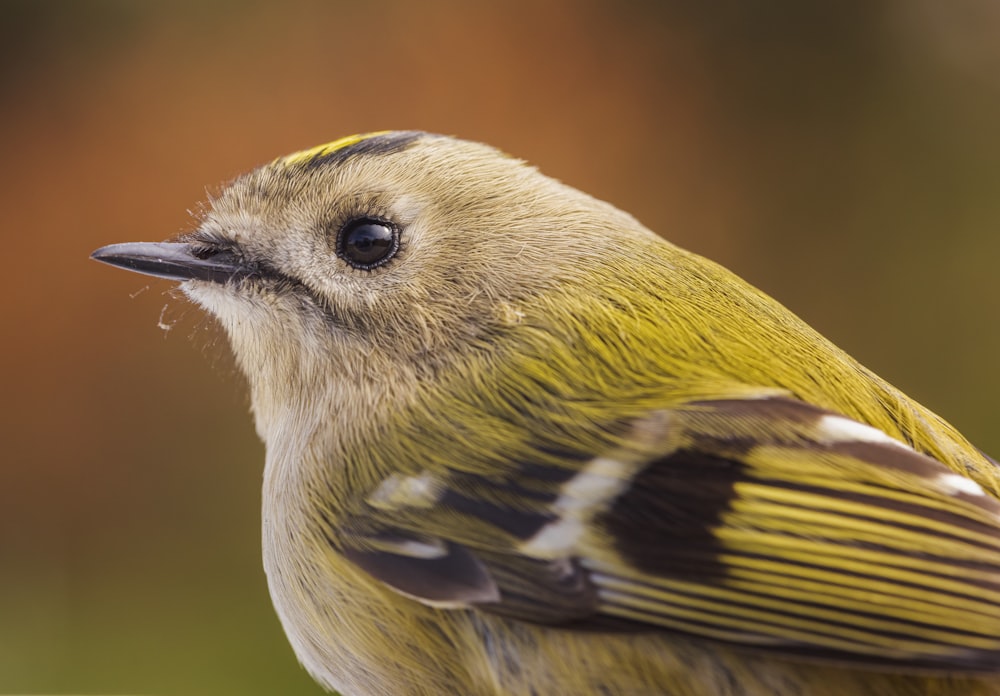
(367, 243)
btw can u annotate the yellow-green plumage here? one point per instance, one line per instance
(541, 451)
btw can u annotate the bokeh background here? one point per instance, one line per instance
(843, 156)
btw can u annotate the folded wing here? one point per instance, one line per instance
(766, 523)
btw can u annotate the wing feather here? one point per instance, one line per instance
(766, 523)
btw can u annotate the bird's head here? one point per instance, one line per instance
(379, 259)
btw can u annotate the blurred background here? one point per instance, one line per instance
(845, 157)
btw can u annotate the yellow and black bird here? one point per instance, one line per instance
(519, 444)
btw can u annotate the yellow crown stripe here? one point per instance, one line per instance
(327, 148)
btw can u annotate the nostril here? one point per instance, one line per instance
(203, 252)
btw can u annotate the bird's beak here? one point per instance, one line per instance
(173, 260)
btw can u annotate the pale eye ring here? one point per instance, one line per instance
(366, 243)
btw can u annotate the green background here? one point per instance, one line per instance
(844, 156)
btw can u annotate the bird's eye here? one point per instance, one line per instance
(366, 243)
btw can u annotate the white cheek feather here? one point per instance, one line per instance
(600, 482)
(236, 312)
(840, 429)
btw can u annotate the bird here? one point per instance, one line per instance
(518, 444)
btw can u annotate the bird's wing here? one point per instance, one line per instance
(766, 523)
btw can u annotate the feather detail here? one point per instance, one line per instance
(767, 523)
(434, 572)
(777, 523)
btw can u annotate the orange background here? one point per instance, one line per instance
(846, 160)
